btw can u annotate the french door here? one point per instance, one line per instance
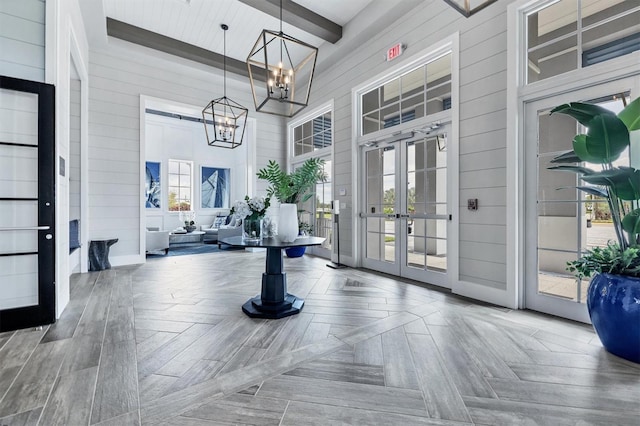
(560, 221)
(27, 204)
(317, 212)
(405, 208)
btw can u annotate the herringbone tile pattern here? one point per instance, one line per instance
(167, 343)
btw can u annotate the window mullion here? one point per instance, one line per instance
(579, 29)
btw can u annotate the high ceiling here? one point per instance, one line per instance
(197, 22)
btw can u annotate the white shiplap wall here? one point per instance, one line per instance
(119, 75)
(73, 163)
(482, 141)
(22, 36)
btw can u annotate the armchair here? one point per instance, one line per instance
(157, 240)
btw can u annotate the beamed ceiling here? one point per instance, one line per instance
(191, 28)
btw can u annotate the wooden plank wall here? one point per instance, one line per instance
(22, 39)
(482, 144)
(118, 75)
(73, 163)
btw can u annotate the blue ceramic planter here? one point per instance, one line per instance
(614, 307)
(295, 251)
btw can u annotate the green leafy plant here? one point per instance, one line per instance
(296, 186)
(304, 228)
(609, 259)
(607, 136)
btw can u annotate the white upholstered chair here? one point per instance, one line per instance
(157, 240)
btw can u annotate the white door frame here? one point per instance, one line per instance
(518, 93)
(532, 298)
(400, 266)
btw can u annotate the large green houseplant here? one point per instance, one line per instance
(296, 186)
(614, 290)
(291, 189)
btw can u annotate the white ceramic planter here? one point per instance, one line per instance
(288, 222)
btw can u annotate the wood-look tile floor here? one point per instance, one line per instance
(167, 343)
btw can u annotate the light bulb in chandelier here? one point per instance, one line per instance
(281, 81)
(225, 129)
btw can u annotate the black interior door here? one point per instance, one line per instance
(27, 203)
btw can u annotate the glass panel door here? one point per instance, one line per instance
(380, 210)
(27, 258)
(405, 213)
(562, 222)
(425, 209)
(317, 214)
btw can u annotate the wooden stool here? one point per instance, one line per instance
(99, 254)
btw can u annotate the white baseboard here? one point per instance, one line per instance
(345, 260)
(484, 294)
(135, 259)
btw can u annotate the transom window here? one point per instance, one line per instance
(312, 135)
(180, 185)
(422, 91)
(566, 35)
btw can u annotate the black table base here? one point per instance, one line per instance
(256, 308)
(274, 301)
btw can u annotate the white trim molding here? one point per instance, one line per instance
(444, 46)
(518, 94)
(322, 109)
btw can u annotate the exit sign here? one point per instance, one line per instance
(394, 51)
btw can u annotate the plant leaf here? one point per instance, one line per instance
(576, 169)
(631, 222)
(623, 181)
(594, 190)
(566, 157)
(582, 112)
(630, 115)
(606, 139)
(581, 150)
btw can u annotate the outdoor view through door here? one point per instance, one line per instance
(406, 212)
(564, 222)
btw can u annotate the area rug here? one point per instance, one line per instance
(188, 248)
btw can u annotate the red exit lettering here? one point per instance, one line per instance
(394, 51)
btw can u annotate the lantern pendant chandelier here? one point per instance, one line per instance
(288, 65)
(469, 7)
(224, 120)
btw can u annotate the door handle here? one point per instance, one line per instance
(27, 228)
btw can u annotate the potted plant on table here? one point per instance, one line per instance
(189, 220)
(291, 189)
(251, 211)
(613, 298)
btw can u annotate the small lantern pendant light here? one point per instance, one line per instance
(469, 7)
(224, 120)
(288, 65)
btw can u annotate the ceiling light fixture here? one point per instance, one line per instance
(224, 120)
(469, 7)
(288, 65)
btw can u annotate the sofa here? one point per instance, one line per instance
(227, 231)
(157, 240)
(223, 225)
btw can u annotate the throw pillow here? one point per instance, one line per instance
(218, 221)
